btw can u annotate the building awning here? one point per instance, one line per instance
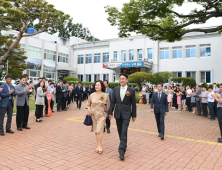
(71, 69)
(132, 64)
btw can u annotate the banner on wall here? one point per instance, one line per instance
(124, 65)
(49, 65)
(34, 63)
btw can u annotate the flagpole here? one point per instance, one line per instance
(84, 56)
(92, 59)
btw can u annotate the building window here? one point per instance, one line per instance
(105, 77)
(105, 57)
(80, 59)
(50, 55)
(80, 77)
(33, 74)
(131, 55)
(177, 52)
(96, 77)
(49, 75)
(177, 74)
(88, 78)
(190, 51)
(164, 53)
(205, 50)
(206, 76)
(63, 58)
(150, 53)
(88, 58)
(124, 55)
(115, 55)
(22, 47)
(140, 55)
(97, 58)
(33, 52)
(192, 75)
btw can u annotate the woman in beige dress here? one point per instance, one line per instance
(98, 105)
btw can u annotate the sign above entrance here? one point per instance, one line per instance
(123, 65)
(132, 64)
(111, 65)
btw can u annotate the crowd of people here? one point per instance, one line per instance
(103, 102)
(63, 93)
(197, 100)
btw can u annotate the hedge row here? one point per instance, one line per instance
(185, 80)
(111, 84)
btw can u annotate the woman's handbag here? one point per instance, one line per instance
(88, 120)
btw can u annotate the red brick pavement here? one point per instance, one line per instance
(62, 142)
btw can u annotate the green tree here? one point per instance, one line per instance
(16, 62)
(161, 77)
(77, 30)
(21, 14)
(159, 20)
(140, 78)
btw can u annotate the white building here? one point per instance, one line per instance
(197, 56)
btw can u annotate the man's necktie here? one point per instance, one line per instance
(122, 93)
(159, 96)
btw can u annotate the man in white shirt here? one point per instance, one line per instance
(188, 98)
(144, 93)
(211, 101)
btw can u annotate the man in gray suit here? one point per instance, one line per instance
(198, 99)
(109, 92)
(22, 90)
(65, 95)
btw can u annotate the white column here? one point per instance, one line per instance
(170, 53)
(43, 50)
(198, 51)
(135, 55)
(127, 55)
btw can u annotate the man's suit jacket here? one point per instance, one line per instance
(59, 93)
(79, 91)
(5, 95)
(22, 96)
(125, 108)
(109, 91)
(65, 94)
(160, 106)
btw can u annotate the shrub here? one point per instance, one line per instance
(70, 78)
(185, 81)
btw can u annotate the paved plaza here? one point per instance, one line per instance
(62, 142)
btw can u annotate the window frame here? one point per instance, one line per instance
(81, 59)
(177, 49)
(148, 56)
(140, 54)
(205, 46)
(165, 49)
(131, 55)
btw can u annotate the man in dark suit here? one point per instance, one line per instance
(79, 95)
(60, 91)
(160, 104)
(124, 103)
(6, 104)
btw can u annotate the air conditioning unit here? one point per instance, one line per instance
(145, 59)
(112, 60)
